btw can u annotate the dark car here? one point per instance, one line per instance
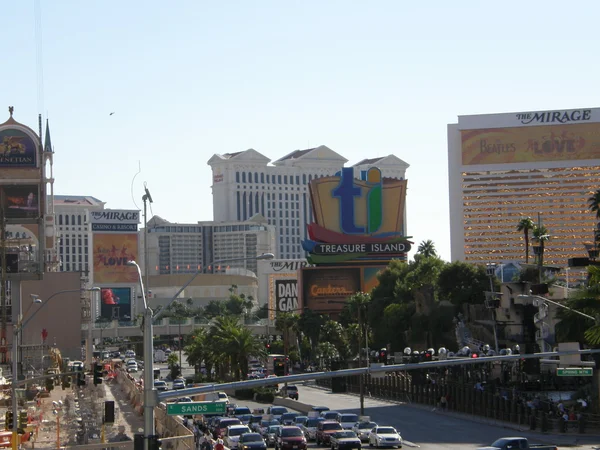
(242, 411)
(320, 409)
(252, 441)
(221, 426)
(290, 438)
(288, 418)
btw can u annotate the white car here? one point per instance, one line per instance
(232, 437)
(310, 428)
(131, 366)
(347, 421)
(363, 429)
(385, 437)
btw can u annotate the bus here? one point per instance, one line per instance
(276, 365)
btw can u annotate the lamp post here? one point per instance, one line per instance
(538, 298)
(18, 328)
(150, 397)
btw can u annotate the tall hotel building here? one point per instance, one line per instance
(244, 183)
(503, 167)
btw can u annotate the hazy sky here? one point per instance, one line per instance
(190, 79)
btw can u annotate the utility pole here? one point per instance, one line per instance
(3, 283)
(360, 377)
(146, 198)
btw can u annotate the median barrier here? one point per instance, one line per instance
(293, 404)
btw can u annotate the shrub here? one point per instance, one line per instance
(244, 394)
(264, 395)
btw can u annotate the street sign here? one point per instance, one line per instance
(191, 408)
(574, 371)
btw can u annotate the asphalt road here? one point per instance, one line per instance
(431, 430)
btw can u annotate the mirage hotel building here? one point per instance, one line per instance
(502, 167)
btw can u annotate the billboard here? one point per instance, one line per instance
(119, 220)
(286, 295)
(17, 149)
(574, 141)
(21, 201)
(356, 219)
(326, 289)
(111, 253)
(115, 303)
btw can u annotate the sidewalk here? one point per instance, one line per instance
(477, 419)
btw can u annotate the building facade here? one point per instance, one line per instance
(502, 167)
(246, 183)
(176, 248)
(73, 224)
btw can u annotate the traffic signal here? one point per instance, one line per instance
(22, 419)
(268, 347)
(154, 443)
(383, 355)
(474, 355)
(66, 382)
(427, 356)
(80, 378)
(8, 420)
(49, 384)
(97, 374)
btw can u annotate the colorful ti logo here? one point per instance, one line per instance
(347, 191)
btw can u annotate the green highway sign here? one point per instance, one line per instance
(191, 408)
(574, 371)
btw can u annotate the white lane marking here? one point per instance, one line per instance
(410, 444)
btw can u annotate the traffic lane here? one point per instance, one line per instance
(428, 427)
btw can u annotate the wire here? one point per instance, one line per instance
(132, 180)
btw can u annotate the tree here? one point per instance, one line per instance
(215, 308)
(287, 323)
(526, 225)
(173, 365)
(461, 283)
(357, 307)
(196, 349)
(309, 324)
(594, 203)
(427, 249)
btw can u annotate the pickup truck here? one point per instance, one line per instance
(516, 443)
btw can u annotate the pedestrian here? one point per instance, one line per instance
(220, 445)
(443, 402)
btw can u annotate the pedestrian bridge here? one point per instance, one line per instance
(167, 327)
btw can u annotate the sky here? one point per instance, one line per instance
(189, 79)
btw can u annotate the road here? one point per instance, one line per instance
(427, 429)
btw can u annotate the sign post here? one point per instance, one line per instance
(192, 408)
(574, 371)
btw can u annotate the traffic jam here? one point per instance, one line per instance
(277, 427)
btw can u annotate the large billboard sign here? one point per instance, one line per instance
(279, 279)
(115, 304)
(357, 219)
(17, 149)
(556, 142)
(286, 295)
(21, 201)
(111, 253)
(115, 220)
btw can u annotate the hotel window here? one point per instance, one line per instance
(262, 177)
(279, 179)
(249, 177)
(78, 220)
(60, 219)
(285, 179)
(68, 269)
(73, 219)
(304, 179)
(255, 177)
(66, 219)
(243, 177)
(237, 177)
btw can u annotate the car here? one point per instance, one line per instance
(245, 418)
(288, 418)
(223, 397)
(290, 438)
(331, 415)
(363, 429)
(160, 385)
(320, 409)
(220, 427)
(178, 383)
(277, 411)
(129, 354)
(300, 420)
(254, 423)
(345, 440)
(347, 420)
(233, 433)
(184, 400)
(325, 429)
(252, 441)
(241, 411)
(290, 391)
(265, 424)
(271, 434)
(382, 436)
(310, 427)
(131, 366)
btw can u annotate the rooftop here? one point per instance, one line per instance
(77, 200)
(368, 161)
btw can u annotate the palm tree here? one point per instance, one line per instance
(427, 249)
(287, 323)
(525, 225)
(594, 203)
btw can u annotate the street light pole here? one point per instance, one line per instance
(150, 397)
(361, 382)
(552, 302)
(18, 328)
